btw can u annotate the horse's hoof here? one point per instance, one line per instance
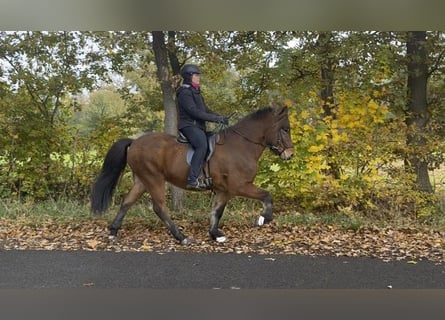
(260, 221)
(217, 236)
(221, 239)
(186, 241)
(112, 238)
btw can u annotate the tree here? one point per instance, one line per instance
(417, 111)
(43, 71)
(100, 105)
(165, 78)
(327, 71)
(169, 93)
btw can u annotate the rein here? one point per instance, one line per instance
(272, 147)
(247, 138)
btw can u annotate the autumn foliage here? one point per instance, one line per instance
(364, 143)
(350, 161)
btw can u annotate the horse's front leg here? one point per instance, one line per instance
(215, 216)
(162, 212)
(253, 192)
(266, 216)
(155, 187)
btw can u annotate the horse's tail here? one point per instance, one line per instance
(112, 168)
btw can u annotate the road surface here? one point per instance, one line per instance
(147, 285)
(79, 269)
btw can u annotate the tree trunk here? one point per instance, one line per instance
(172, 53)
(168, 94)
(418, 116)
(327, 88)
(327, 74)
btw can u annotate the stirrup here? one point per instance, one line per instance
(196, 186)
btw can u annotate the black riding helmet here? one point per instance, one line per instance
(188, 70)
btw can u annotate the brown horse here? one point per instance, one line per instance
(155, 158)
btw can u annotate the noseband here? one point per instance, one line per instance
(280, 143)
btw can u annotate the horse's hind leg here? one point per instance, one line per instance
(215, 216)
(135, 193)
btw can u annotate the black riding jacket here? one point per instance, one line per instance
(192, 110)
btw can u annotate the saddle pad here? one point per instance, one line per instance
(190, 152)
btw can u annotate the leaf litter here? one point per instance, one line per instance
(92, 235)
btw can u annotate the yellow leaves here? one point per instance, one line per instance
(342, 158)
(288, 103)
(314, 159)
(307, 128)
(275, 167)
(304, 114)
(314, 149)
(316, 163)
(358, 112)
(339, 137)
(146, 247)
(322, 137)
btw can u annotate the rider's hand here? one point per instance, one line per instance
(223, 120)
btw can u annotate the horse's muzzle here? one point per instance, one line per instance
(287, 154)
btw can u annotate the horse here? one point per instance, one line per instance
(156, 158)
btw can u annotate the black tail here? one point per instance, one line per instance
(112, 168)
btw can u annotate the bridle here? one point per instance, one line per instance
(274, 148)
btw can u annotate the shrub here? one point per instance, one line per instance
(351, 159)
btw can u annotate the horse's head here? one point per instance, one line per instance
(278, 137)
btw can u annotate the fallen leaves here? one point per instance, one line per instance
(387, 244)
(93, 243)
(88, 284)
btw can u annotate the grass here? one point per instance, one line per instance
(239, 212)
(59, 212)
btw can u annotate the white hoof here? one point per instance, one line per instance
(221, 239)
(260, 221)
(186, 241)
(112, 238)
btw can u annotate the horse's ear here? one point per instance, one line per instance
(281, 110)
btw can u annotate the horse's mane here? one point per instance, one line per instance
(256, 115)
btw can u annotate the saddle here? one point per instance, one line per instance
(212, 139)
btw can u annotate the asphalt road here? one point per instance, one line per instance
(150, 270)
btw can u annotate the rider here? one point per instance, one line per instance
(192, 116)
